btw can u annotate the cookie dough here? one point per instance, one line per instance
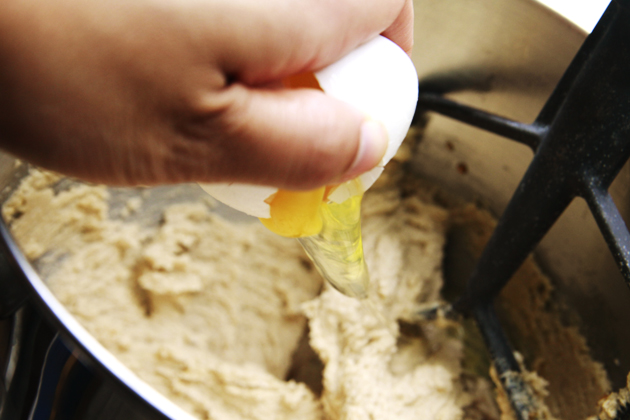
(213, 313)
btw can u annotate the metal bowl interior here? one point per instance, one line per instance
(506, 58)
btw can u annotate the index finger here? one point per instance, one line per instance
(277, 38)
(401, 31)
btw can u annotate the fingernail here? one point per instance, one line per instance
(373, 143)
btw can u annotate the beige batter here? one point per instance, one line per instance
(211, 313)
(614, 405)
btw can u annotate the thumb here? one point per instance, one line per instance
(293, 138)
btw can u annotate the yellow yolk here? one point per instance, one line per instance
(295, 214)
(329, 232)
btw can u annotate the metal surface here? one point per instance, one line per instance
(43, 378)
(506, 58)
(581, 140)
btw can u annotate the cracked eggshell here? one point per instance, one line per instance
(379, 79)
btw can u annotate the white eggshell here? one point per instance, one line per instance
(250, 199)
(377, 78)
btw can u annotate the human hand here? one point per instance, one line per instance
(151, 92)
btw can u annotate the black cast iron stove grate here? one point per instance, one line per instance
(581, 140)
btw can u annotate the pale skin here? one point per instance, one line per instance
(146, 92)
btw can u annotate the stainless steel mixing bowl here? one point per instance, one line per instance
(501, 56)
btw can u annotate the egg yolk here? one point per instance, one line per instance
(295, 214)
(329, 232)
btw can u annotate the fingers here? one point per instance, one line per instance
(292, 139)
(299, 36)
(295, 139)
(300, 139)
(401, 31)
(112, 95)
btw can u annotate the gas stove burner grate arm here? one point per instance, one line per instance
(581, 140)
(528, 134)
(612, 227)
(506, 366)
(578, 154)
